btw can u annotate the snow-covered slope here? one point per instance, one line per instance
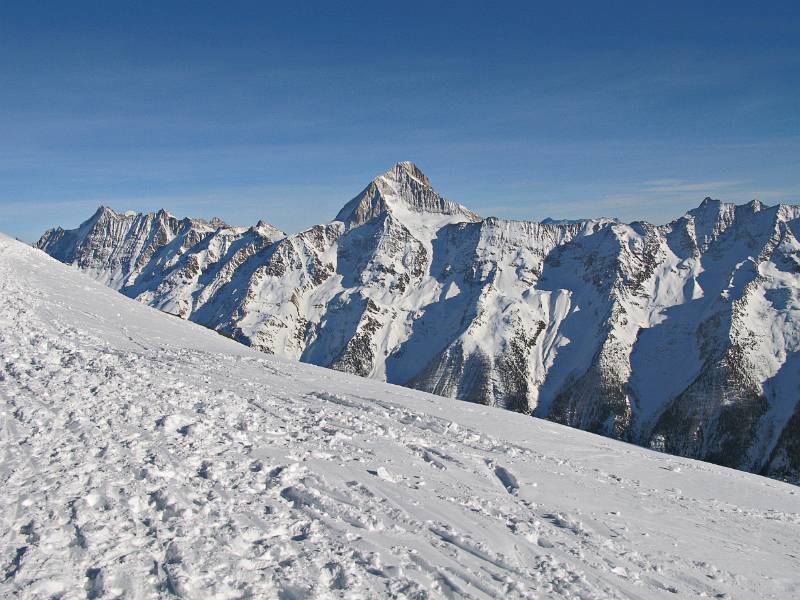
(682, 337)
(146, 456)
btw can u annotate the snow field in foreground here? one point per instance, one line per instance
(143, 456)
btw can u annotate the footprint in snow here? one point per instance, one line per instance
(383, 474)
(508, 480)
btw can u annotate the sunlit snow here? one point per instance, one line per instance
(145, 456)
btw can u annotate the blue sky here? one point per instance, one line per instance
(520, 110)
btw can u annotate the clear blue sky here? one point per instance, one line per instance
(522, 110)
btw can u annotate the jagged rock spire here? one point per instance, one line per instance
(403, 187)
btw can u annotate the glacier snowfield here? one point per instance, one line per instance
(144, 456)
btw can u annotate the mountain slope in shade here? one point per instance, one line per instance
(682, 337)
(147, 457)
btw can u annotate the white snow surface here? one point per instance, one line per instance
(144, 456)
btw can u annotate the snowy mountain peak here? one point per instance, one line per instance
(407, 168)
(268, 229)
(401, 190)
(106, 212)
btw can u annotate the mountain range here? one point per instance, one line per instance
(681, 337)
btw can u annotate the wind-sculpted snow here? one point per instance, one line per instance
(147, 457)
(682, 337)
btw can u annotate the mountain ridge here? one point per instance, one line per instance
(682, 337)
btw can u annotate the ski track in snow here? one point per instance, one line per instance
(143, 456)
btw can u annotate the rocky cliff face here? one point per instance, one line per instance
(682, 337)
